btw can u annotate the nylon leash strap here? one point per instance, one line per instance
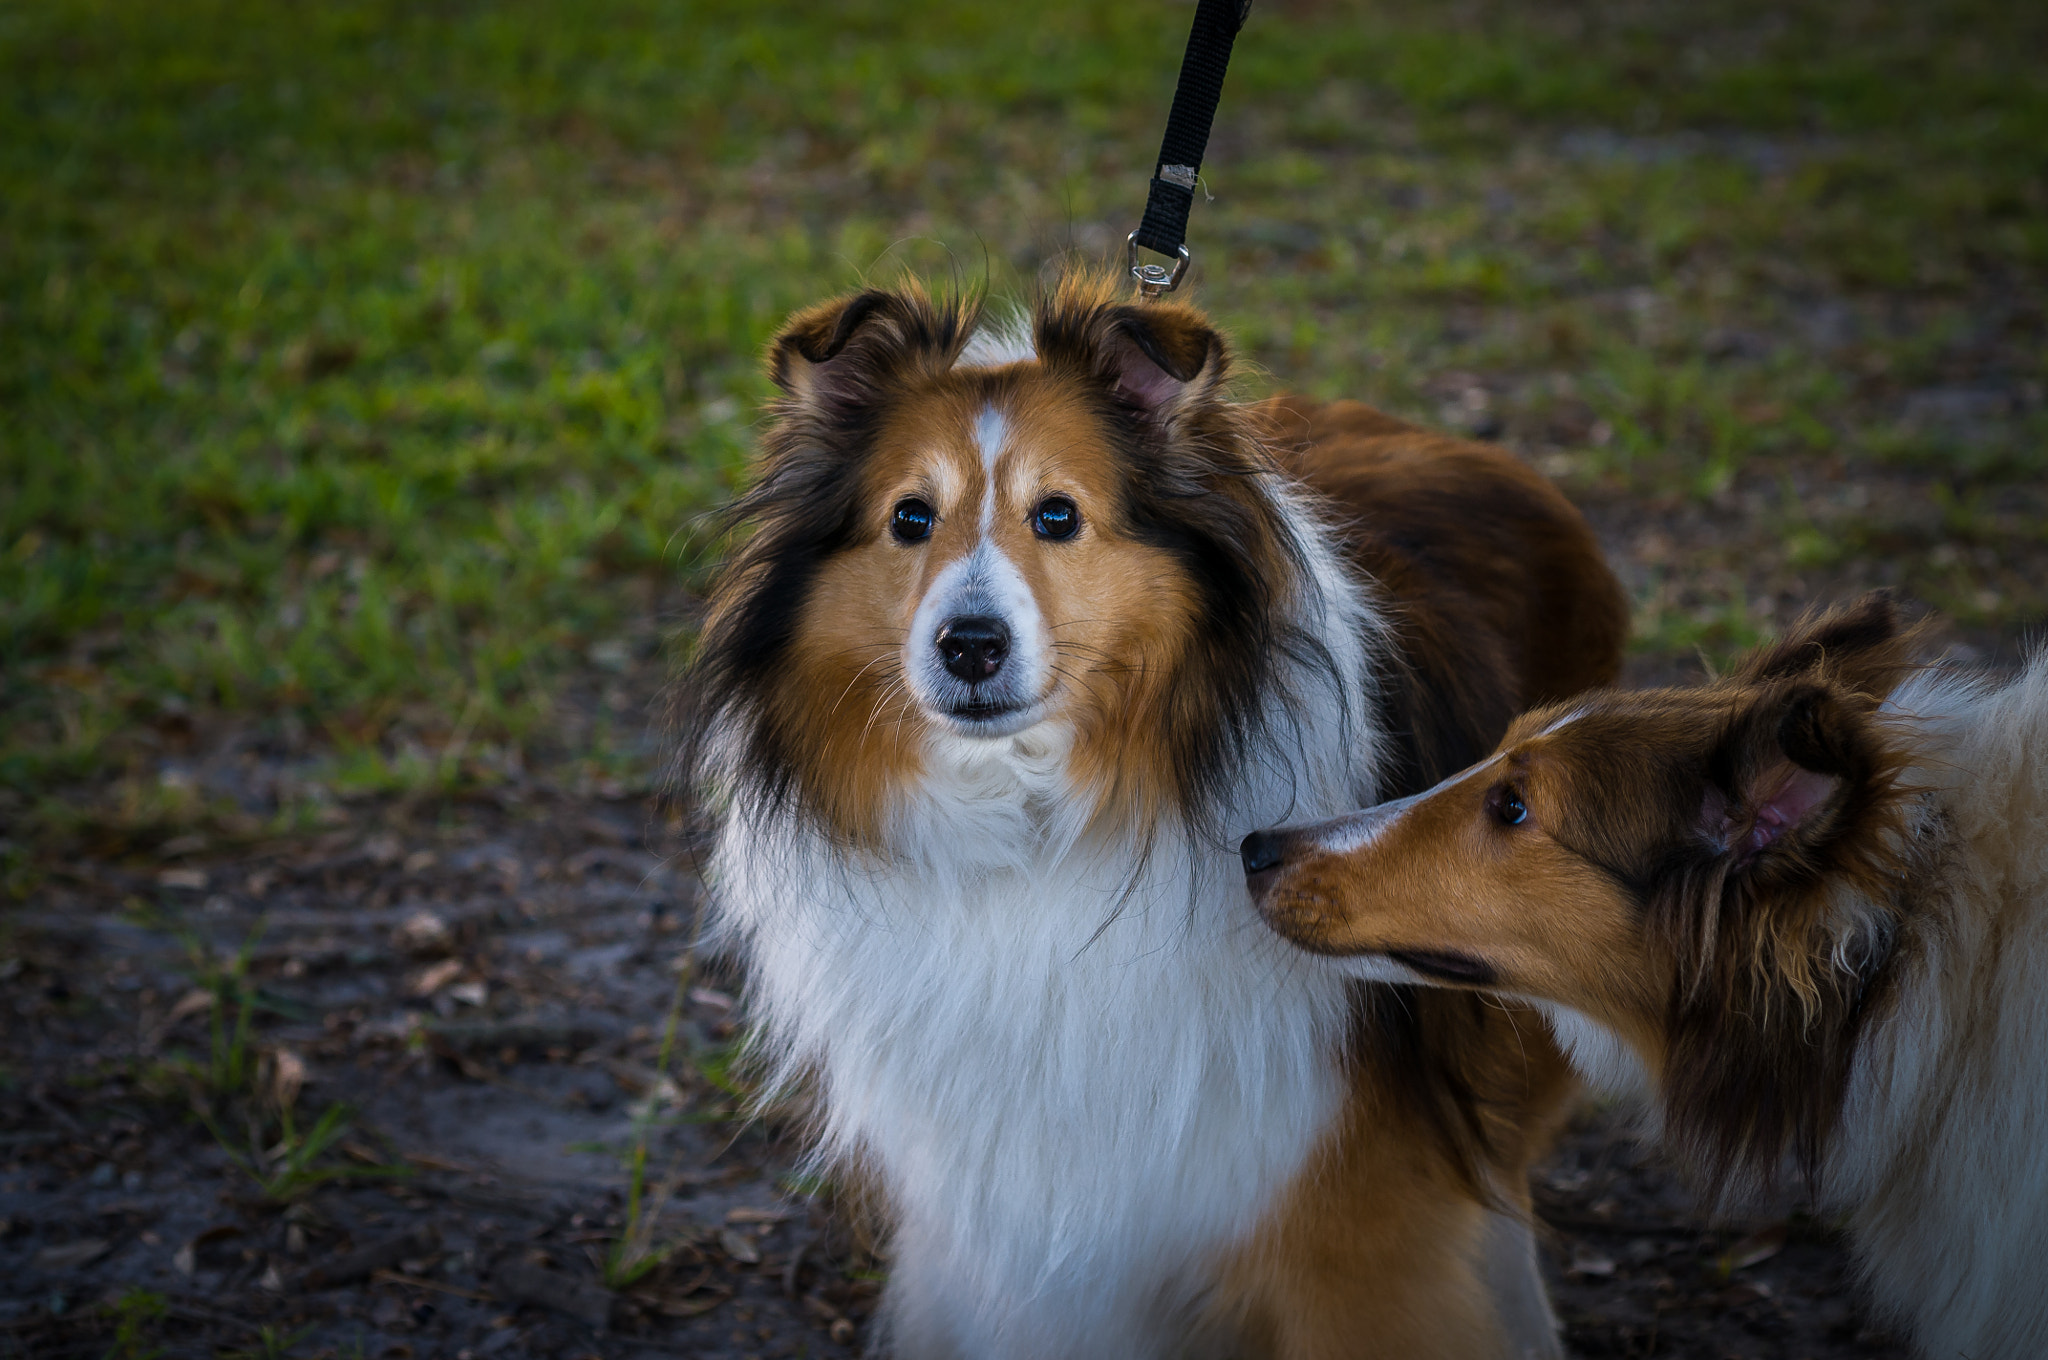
(1164, 228)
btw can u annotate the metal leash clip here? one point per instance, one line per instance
(1155, 280)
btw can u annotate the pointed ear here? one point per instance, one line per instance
(816, 336)
(853, 348)
(1860, 645)
(1790, 776)
(1157, 356)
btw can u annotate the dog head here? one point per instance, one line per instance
(1706, 874)
(965, 534)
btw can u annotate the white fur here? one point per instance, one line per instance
(1610, 1065)
(1081, 1071)
(983, 581)
(1356, 830)
(991, 432)
(1942, 1161)
(998, 342)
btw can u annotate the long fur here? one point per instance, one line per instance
(1806, 904)
(1940, 1155)
(1017, 972)
(1073, 1059)
(1089, 1135)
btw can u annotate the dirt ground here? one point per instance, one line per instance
(484, 985)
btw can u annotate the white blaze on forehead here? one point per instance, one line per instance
(991, 431)
(1558, 725)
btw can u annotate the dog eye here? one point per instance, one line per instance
(1506, 805)
(912, 520)
(1056, 517)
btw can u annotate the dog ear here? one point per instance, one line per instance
(1773, 931)
(852, 349)
(1860, 645)
(1790, 776)
(1156, 356)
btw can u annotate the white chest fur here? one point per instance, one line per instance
(1081, 1071)
(1067, 1123)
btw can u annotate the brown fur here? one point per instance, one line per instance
(1679, 876)
(1500, 595)
(1169, 622)
(1378, 1248)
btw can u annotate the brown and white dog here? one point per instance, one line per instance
(1033, 624)
(1806, 906)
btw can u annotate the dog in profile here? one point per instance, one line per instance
(1034, 622)
(1806, 906)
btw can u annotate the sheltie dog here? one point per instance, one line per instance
(1806, 906)
(1033, 624)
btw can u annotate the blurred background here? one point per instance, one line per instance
(366, 370)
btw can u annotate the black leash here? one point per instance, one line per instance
(1164, 229)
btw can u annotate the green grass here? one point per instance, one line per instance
(364, 367)
(136, 1315)
(247, 1101)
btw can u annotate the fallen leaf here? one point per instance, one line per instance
(740, 1247)
(192, 879)
(287, 1077)
(1586, 1261)
(72, 1255)
(696, 1300)
(358, 1152)
(433, 979)
(1761, 1245)
(186, 1259)
(191, 1003)
(472, 993)
(745, 1214)
(423, 932)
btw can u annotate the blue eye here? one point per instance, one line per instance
(912, 520)
(1055, 517)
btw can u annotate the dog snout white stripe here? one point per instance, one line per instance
(1354, 830)
(985, 581)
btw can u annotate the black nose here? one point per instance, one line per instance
(973, 646)
(1262, 853)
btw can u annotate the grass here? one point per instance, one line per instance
(136, 1314)
(635, 1253)
(249, 1100)
(365, 367)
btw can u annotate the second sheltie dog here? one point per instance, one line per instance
(1806, 906)
(1032, 625)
